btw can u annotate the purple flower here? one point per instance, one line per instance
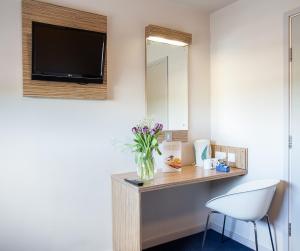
(152, 132)
(139, 129)
(156, 127)
(134, 130)
(145, 129)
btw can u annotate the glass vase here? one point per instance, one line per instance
(145, 166)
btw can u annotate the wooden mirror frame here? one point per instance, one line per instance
(157, 31)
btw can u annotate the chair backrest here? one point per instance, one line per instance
(249, 201)
(254, 185)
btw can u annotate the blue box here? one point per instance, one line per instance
(222, 168)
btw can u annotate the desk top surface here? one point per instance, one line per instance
(188, 175)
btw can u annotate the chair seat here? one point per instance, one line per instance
(248, 202)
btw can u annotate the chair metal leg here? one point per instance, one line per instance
(255, 233)
(223, 228)
(268, 221)
(206, 227)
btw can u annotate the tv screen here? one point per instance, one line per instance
(66, 54)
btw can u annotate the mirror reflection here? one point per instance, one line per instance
(167, 83)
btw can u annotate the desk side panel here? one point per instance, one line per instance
(126, 218)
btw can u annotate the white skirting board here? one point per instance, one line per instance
(157, 240)
(239, 238)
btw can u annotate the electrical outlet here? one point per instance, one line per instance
(231, 157)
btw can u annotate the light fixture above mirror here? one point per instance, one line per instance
(166, 41)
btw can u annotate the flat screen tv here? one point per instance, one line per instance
(66, 54)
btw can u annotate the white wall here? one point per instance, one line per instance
(56, 155)
(247, 96)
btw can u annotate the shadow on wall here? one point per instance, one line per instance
(277, 203)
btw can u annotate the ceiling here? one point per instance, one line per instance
(206, 5)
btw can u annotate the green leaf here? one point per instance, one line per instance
(154, 142)
(158, 151)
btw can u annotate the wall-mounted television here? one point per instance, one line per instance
(66, 54)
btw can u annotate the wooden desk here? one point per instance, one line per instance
(126, 200)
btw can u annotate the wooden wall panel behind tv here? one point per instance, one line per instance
(53, 14)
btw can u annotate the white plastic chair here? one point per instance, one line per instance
(247, 202)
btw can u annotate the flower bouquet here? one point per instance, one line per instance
(145, 143)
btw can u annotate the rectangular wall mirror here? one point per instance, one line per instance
(167, 79)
